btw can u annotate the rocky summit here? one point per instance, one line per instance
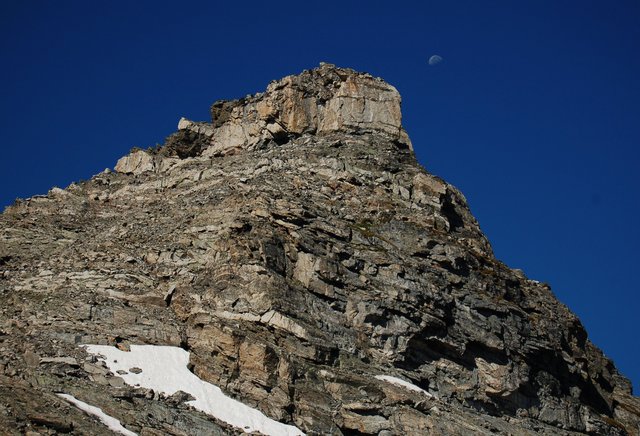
(309, 273)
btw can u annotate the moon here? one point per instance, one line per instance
(435, 60)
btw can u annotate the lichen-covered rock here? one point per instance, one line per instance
(299, 252)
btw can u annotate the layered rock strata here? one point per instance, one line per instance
(307, 262)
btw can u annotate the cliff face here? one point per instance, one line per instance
(295, 248)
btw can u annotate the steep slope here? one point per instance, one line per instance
(296, 249)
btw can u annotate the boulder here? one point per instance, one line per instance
(136, 162)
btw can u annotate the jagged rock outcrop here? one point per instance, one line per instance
(318, 102)
(298, 251)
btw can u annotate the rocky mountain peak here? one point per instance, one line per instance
(293, 255)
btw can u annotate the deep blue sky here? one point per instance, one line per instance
(534, 113)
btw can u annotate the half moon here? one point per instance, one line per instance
(435, 60)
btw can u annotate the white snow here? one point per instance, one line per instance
(164, 369)
(107, 420)
(405, 384)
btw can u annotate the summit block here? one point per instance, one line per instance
(320, 101)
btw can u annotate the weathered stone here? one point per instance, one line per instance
(31, 358)
(296, 248)
(137, 162)
(321, 101)
(66, 360)
(54, 422)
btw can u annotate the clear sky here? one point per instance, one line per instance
(534, 112)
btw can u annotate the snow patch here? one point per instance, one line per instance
(111, 422)
(405, 384)
(164, 369)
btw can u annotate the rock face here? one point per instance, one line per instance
(317, 102)
(309, 265)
